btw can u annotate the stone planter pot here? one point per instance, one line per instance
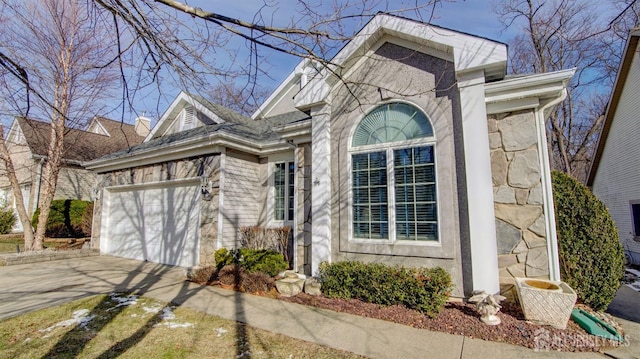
(546, 302)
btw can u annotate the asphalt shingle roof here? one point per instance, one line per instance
(258, 131)
(80, 145)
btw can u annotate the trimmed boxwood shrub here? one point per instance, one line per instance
(591, 255)
(66, 218)
(252, 260)
(422, 289)
(7, 220)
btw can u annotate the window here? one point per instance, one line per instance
(284, 185)
(393, 176)
(635, 216)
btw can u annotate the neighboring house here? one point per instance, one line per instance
(422, 153)
(28, 142)
(616, 164)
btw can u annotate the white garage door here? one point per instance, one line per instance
(156, 224)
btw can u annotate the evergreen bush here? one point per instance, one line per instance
(65, 218)
(422, 289)
(252, 260)
(591, 255)
(7, 220)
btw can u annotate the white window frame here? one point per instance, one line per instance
(391, 195)
(633, 222)
(272, 198)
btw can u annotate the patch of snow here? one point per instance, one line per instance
(27, 340)
(122, 301)
(168, 320)
(220, 332)
(174, 325)
(242, 355)
(167, 314)
(152, 310)
(80, 317)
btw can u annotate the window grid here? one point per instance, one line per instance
(279, 185)
(370, 201)
(292, 189)
(415, 194)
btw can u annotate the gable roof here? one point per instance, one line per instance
(467, 52)
(79, 145)
(621, 79)
(234, 130)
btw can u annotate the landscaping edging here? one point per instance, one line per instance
(9, 259)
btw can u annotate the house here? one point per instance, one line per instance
(28, 141)
(615, 169)
(415, 149)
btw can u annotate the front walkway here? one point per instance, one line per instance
(34, 286)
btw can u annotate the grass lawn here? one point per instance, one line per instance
(117, 325)
(8, 243)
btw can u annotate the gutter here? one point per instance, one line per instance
(190, 147)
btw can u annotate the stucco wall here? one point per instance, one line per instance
(395, 73)
(166, 171)
(518, 199)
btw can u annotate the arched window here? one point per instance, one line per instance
(393, 175)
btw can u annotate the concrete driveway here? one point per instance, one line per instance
(29, 287)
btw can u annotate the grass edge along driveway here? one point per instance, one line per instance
(128, 326)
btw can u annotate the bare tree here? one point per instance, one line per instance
(56, 68)
(561, 34)
(154, 45)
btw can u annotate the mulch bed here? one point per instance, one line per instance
(462, 319)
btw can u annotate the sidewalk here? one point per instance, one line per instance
(30, 287)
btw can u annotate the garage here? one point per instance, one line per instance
(157, 223)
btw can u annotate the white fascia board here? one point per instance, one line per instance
(14, 130)
(470, 53)
(174, 109)
(96, 122)
(276, 96)
(525, 92)
(295, 131)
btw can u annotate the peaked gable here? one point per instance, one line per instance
(186, 112)
(311, 82)
(79, 145)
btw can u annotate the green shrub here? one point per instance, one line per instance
(65, 218)
(423, 289)
(7, 220)
(252, 260)
(591, 256)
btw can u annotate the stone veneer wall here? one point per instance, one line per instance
(518, 199)
(166, 171)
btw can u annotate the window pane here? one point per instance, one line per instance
(424, 174)
(291, 174)
(402, 157)
(279, 182)
(636, 218)
(370, 208)
(415, 191)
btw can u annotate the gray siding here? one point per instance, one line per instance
(617, 181)
(242, 196)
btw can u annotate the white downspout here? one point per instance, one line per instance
(547, 193)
